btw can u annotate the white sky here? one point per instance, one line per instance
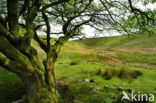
(149, 6)
(90, 32)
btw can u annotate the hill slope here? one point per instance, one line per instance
(85, 70)
(122, 42)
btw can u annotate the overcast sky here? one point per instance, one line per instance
(90, 32)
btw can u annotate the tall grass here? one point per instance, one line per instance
(109, 73)
(122, 73)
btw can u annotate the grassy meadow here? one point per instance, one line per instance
(96, 70)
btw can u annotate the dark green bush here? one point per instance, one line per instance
(74, 62)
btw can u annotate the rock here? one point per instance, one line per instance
(86, 80)
(98, 89)
(91, 81)
(95, 91)
(123, 84)
(130, 90)
(108, 87)
(120, 89)
(80, 80)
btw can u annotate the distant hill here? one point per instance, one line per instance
(137, 41)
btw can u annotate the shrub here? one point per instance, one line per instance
(110, 73)
(129, 74)
(99, 72)
(123, 73)
(74, 62)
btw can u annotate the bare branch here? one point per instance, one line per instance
(56, 33)
(65, 26)
(48, 29)
(113, 18)
(24, 7)
(41, 42)
(134, 10)
(53, 4)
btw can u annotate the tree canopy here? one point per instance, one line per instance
(20, 21)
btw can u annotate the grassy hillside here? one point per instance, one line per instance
(96, 70)
(139, 41)
(105, 62)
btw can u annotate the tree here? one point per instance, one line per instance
(141, 20)
(18, 56)
(130, 19)
(16, 53)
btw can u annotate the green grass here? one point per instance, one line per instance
(136, 57)
(121, 42)
(80, 61)
(74, 77)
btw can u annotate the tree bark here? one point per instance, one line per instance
(18, 56)
(37, 90)
(39, 83)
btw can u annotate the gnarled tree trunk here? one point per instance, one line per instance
(18, 56)
(40, 85)
(39, 92)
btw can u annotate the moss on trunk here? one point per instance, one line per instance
(37, 92)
